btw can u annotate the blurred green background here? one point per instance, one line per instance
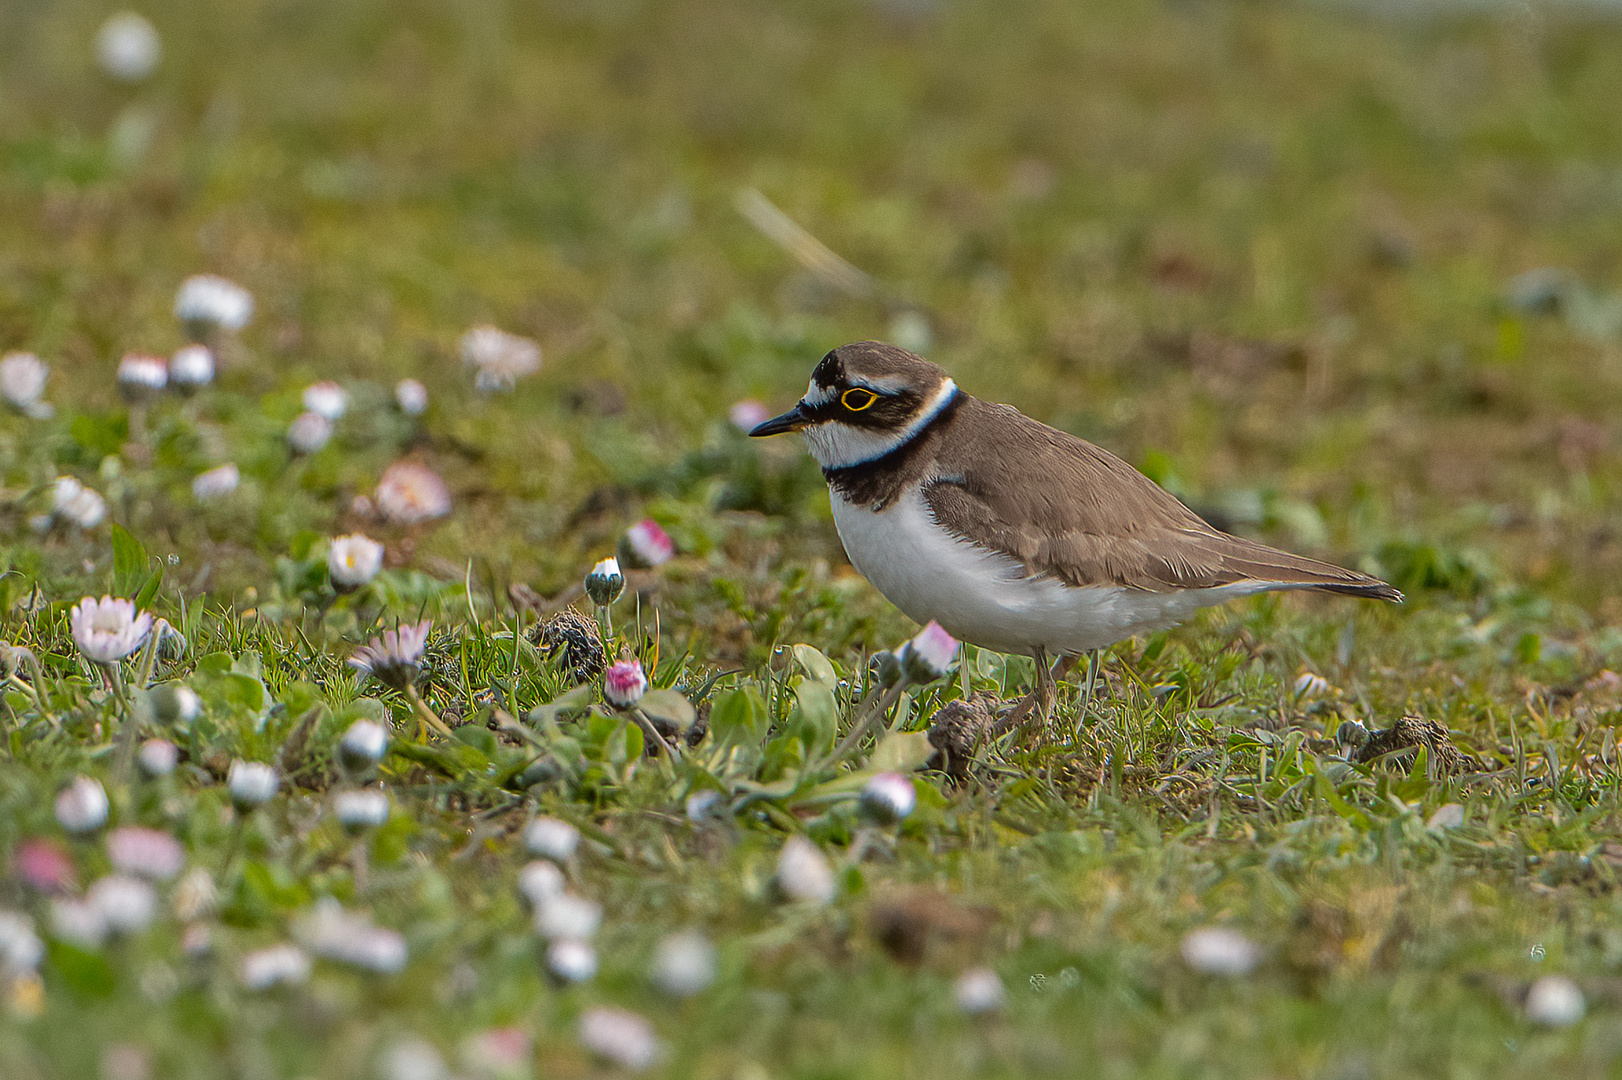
(1266, 251)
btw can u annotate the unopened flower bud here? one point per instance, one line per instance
(251, 784)
(363, 745)
(887, 798)
(360, 810)
(552, 839)
(157, 758)
(624, 684)
(605, 583)
(82, 807)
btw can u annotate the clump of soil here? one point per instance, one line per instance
(959, 728)
(1402, 741)
(575, 634)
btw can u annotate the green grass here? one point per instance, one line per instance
(1262, 250)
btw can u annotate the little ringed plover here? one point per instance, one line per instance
(1013, 535)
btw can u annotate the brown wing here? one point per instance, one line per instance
(1090, 518)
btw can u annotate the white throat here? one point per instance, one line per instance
(839, 446)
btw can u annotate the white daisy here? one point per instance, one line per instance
(411, 493)
(128, 47)
(353, 561)
(109, 629)
(207, 300)
(500, 358)
(22, 382)
(218, 481)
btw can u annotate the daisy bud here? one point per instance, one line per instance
(196, 896)
(605, 583)
(887, 798)
(82, 807)
(216, 482)
(172, 646)
(803, 875)
(684, 964)
(646, 545)
(886, 668)
(174, 703)
(126, 905)
(277, 965)
(326, 399)
(979, 991)
(191, 369)
(502, 1053)
(748, 414)
(552, 839)
(79, 922)
(540, 882)
(363, 745)
(107, 630)
(411, 396)
(142, 377)
(207, 301)
(145, 853)
(568, 916)
(624, 684)
(330, 931)
(929, 655)
(43, 866)
(357, 811)
(21, 950)
(1220, 950)
(309, 432)
(157, 758)
(128, 47)
(571, 961)
(1309, 685)
(1555, 1001)
(22, 382)
(619, 1037)
(705, 806)
(412, 1059)
(411, 493)
(73, 502)
(353, 561)
(251, 784)
(499, 358)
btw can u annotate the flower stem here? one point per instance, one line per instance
(872, 713)
(425, 716)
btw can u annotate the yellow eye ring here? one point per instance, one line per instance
(851, 397)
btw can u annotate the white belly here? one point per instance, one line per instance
(983, 598)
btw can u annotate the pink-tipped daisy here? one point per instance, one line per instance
(646, 544)
(411, 493)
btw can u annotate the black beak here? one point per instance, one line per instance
(793, 420)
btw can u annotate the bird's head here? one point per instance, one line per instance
(865, 400)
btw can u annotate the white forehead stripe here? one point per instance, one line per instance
(818, 395)
(839, 446)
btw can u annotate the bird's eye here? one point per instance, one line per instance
(857, 398)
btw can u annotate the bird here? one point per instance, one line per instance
(1013, 535)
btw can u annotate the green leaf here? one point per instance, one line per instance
(815, 665)
(130, 562)
(87, 974)
(670, 706)
(479, 738)
(902, 751)
(814, 720)
(740, 718)
(243, 690)
(149, 589)
(574, 701)
(215, 663)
